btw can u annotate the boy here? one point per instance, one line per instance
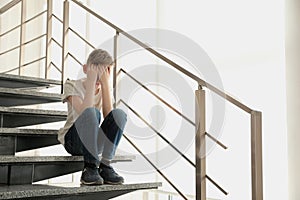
(81, 134)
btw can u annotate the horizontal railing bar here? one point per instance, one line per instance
(215, 184)
(140, 43)
(14, 48)
(52, 63)
(158, 133)
(57, 18)
(24, 65)
(82, 38)
(156, 168)
(7, 32)
(36, 16)
(29, 63)
(34, 39)
(158, 97)
(25, 43)
(216, 141)
(75, 59)
(9, 5)
(176, 66)
(229, 98)
(54, 40)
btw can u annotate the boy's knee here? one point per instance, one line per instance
(120, 117)
(119, 114)
(92, 111)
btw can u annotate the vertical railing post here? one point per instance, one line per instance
(115, 68)
(49, 36)
(256, 155)
(22, 34)
(65, 44)
(200, 144)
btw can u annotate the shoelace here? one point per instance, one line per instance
(110, 170)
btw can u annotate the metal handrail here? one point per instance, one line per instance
(9, 50)
(77, 34)
(216, 140)
(58, 19)
(7, 32)
(34, 39)
(28, 20)
(157, 96)
(156, 168)
(24, 65)
(31, 62)
(158, 133)
(34, 17)
(23, 44)
(171, 107)
(9, 5)
(167, 60)
(52, 63)
(216, 184)
(169, 143)
(72, 56)
(55, 41)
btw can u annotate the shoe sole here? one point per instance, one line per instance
(91, 183)
(114, 183)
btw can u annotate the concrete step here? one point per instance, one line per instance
(18, 117)
(16, 97)
(26, 170)
(13, 140)
(44, 192)
(15, 81)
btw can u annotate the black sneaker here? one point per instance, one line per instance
(109, 175)
(90, 176)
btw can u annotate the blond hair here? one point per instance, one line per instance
(99, 57)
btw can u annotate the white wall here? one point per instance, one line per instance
(293, 106)
(245, 39)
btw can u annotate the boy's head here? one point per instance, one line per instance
(98, 57)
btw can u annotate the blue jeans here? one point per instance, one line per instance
(85, 138)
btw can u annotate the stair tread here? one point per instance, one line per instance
(48, 159)
(29, 79)
(18, 131)
(31, 93)
(4, 109)
(26, 191)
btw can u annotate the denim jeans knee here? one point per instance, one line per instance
(120, 117)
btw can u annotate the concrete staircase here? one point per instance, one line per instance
(17, 174)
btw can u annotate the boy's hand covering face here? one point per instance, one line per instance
(94, 72)
(104, 78)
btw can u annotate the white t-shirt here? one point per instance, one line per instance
(75, 88)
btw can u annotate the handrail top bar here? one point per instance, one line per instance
(9, 5)
(157, 54)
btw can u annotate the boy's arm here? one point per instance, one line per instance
(77, 103)
(106, 96)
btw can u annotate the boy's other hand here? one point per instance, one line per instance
(92, 73)
(104, 78)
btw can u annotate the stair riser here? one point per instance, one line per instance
(16, 84)
(9, 145)
(13, 120)
(21, 100)
(16, 81)
(28, 173)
